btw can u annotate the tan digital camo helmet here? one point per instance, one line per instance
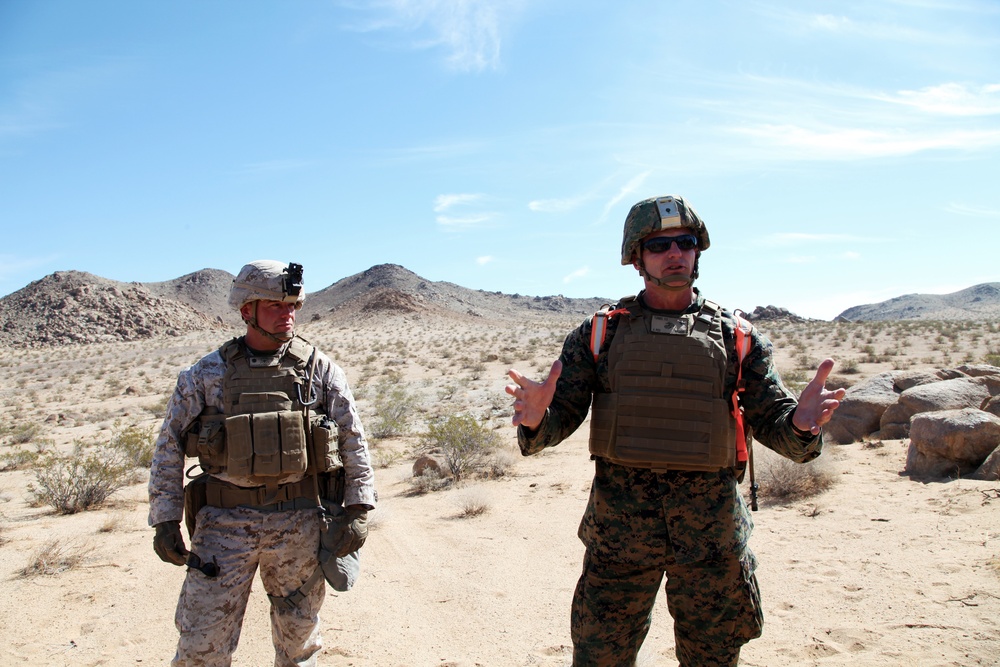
(268, 279)
(655, 214)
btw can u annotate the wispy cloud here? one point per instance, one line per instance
(445, 202)
(847, 143)
(461, 219)
(626, 190)
(972, 211)
(576, 275)
(484, 260)
(469, 31)
(950, 99)
(557, 205)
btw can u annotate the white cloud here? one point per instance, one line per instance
(556, 205)
(575, 275)
(468, 30)
(950, 99)
(464, 222)
(851, 255)
(484, 260)
(847, 143)
(629, 188)
(444, 202)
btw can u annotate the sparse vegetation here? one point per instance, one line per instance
(785, 481)
(56, 556)
(473, 502)
(465, 444)
(81, 480)
(393, 406)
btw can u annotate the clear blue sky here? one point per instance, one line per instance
(841, 153)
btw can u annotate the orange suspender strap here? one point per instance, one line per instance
(599, 327)
(742, 347)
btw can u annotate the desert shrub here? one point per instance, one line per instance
(393, 404)
(849, 367)
(465, 444)
(383, 457)
(500, 464)
(782, 480)
(429, 482)
(473, 502)
(81, 480)
(993, 359)
(17, 460)
(22, 434)
(55, 556)
(135, 442)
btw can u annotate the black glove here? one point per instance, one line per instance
(169, 544)
(353, 530)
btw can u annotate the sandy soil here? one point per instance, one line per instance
(878, 570)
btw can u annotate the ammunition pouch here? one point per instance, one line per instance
(264, 447)
(194, 499)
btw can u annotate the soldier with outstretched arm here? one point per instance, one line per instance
(659, 373)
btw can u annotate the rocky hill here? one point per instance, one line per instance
(979, 302)
(390, 287)
(206, 291)
(69, 307)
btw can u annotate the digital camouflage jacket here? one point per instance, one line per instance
(705, 514)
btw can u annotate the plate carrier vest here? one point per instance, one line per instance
(666, 409)
(262, 434)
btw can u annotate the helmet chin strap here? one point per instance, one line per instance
(280, 338)
(688, 280)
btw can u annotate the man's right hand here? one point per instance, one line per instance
(168, 543)
(532, 399)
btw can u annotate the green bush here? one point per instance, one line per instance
(81, 480)
(393, 404)
(22, 434)
(465, 444)
(134, 442)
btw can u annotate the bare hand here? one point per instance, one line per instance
(531, 398)
(817, 403)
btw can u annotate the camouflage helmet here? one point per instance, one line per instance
(658, 213)
(267, 279)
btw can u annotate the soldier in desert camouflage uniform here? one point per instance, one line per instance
(665, 499)
(242, 411)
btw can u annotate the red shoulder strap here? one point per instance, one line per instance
(599, 327)
(742, 336)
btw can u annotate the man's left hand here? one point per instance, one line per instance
(353, 531)
(817, 403)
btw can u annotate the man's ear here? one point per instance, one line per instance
(246, 310)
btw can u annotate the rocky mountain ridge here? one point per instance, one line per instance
(73, 307)
(979, 302)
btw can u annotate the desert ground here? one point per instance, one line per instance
(878, 569)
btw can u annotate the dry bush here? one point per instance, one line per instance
(473, 502)
(393, 405)
(465, 444)
(429, 482)
(114, 522)
(384, 457)
(81, 480)
(18, 460)
(56, 556)
(134, 442)
(785, 481)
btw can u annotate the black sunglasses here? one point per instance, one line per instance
(662, 243)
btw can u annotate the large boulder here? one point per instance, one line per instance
(861, 410)
(960, 392)
(990, 469)
(992, 406)
(951, 442)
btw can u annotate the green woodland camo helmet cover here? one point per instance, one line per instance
(268, 279)
(656, 214)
